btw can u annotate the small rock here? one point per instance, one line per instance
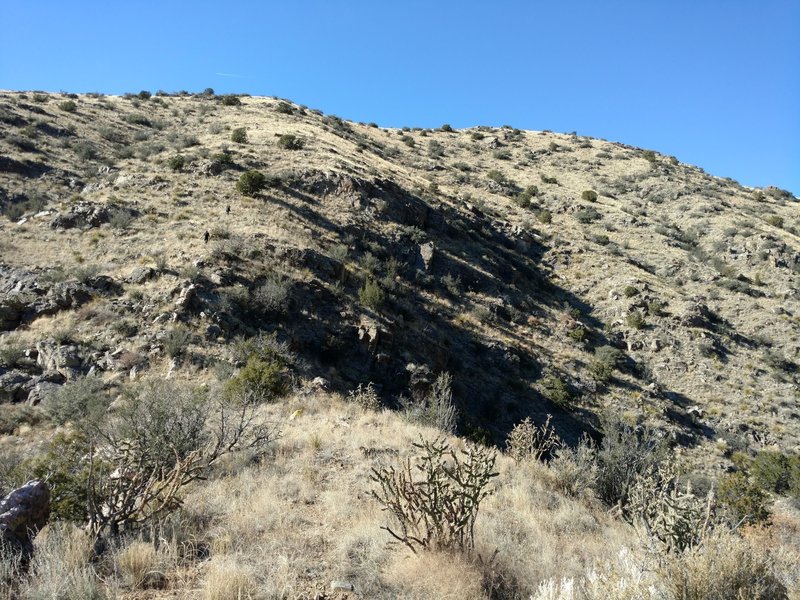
(426, 252)
(142, 274)
(342, 586)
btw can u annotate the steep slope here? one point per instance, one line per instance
(505, 257)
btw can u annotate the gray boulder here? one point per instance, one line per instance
(23, 513)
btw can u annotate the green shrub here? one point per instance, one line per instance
(82, 402)
(636, 319)
(68, 106)
(497, 177)
(549, 180)
(523, 199)
(264, 377)
(777, 472)
(177, 162)
(284, 108)
(605, 361)
(775, 221)
(11, 351)
(446, 128)
(477, 136)
(544, 216)
(239, 135)
(577, 334)
(230, 100)
(290, 142)
(649, 155)
(63, 463)
(624, 454)
(742, 499)
(372, 295)
(587, 215)
(555, 390)
(630, 291)
(589, 195)
(177, 340)
(408, 141)
(251, 183)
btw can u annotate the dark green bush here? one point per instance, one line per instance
(68, 106)
(177, 162)
(742, 499)
(284, 108)
(555, 390)
(605, 361)
(589, 195)
(587, 215)
(230, 100)
(251, 183)
(265, 376)
(630, 291)
(544, 216)
(63, 463)
(290, 142)
(777, 472)
(446, 128)
(239, 135)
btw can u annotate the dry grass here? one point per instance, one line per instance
(228, 579)
(138, 564)
(433, 575)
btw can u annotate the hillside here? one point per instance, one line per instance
(548, 274)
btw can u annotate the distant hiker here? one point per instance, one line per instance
(228, 209)
(206, 236)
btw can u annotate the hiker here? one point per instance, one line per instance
(228, 209)
(205, 236)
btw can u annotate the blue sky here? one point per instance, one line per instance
(715, 83)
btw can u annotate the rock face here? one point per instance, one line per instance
(83, 214)
(26, 295)
(23, 513)
(63, 359)
(23, 296)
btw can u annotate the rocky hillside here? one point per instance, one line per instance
(464, 279)
(514, 260)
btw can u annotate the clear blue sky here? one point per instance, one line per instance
(716, 83)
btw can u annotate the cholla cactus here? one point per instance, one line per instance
(528, 440)
(365, 396)
(672, 517)
(434, 499)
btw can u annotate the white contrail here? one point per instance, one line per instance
(230, 75)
